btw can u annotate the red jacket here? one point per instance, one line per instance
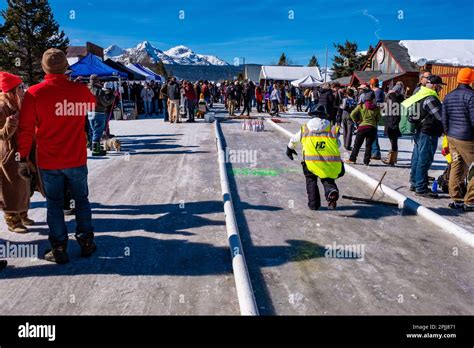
(56, 111)
(189, 92)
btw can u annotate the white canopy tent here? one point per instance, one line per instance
(148, 76)
(153, 73)
(289, 73)
(307, 81)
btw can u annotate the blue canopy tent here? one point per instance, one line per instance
(91, 64)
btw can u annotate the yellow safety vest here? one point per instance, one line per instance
(321, 152)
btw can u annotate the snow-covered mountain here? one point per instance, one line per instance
(113, 51)
(177, 55)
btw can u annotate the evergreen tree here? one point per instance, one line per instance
(365, 58)
(28, 31)
(314, 62)
(160, 69)
(157, 67)
(347, 61)
(283, 60)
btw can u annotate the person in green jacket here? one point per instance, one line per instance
(367, 115)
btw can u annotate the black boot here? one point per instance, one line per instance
(86, 242)
(58, 254)
(332, 200)
(97, 150)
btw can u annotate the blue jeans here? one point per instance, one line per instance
(421, 160)
(190, 106)
(54, 182)
(97, 122)
(148, 107)
(376, 147)
(165, 109)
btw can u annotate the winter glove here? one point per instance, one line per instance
(290, 153)
(24, 170)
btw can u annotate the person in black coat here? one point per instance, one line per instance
(326, 99)
(392, 121)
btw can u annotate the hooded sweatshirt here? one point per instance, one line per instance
(316, 125)
(368, 114)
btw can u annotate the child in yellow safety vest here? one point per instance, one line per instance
(202, 106)
(321, 158)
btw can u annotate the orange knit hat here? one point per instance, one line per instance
(466, 76)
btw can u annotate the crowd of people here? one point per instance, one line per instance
(360, 111)
(46, 153)
(173, 99)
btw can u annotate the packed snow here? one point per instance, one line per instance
(450, 52)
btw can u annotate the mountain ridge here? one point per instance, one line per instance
(178, 55)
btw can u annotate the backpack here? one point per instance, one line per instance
(407, 124)
(443, 181)
(409, 118)
(105, 97)
(350, 105)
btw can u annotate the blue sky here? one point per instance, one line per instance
(260, 30)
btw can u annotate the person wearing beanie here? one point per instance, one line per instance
(392, 121)
(367, 115)
(104, 98)
(14, 191)
(326, 98)
(321, 157)
(458, 123)
(54, 111)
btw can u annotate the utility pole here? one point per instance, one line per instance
(243, 63)
(326, 71)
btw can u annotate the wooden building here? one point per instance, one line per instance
(448, 74)
(392, 61)
(76, 53)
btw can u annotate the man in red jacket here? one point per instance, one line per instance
(54, 111)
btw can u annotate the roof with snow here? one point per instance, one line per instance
(288, 73)
(444, 52)
(366, 75)
(343, 81)
(407, 53)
